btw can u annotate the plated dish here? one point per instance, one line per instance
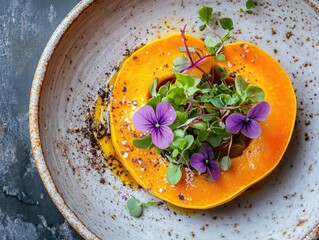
(72, 69)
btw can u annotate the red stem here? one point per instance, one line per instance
(230, 144)
(188, 52)
(225, 108)
(185, 44)
(189, 106)
(195, 64)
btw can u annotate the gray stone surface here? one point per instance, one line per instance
(26, 210)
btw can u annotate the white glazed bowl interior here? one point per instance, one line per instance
(80, 58)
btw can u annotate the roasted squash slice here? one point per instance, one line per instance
(131, 91)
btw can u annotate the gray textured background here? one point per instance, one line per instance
(26, 210)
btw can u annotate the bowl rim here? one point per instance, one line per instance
(34, 127)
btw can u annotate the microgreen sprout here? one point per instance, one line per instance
(249, 5)
(135, 206)
(198, 123)
(214, 46)
(205, 14)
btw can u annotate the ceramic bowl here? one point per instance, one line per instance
(80, 58)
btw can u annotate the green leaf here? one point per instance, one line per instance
(211, 44)
(179, 143)
(202, 135)
(217, 102)
(221, 131)
(153, 87)
(181, 63)
(143, 142)
(214, 139)
(185, 80)
(181, 118)
(227, 37)
(256, 94)
(171, 159)
(250, 4)
(189, 141)
(192, 90)
(134, 206)
(207, 118)
(240, 84)
(175, 153)
(226, 23)
(235, 99)
(202, 27)
(190, 49)
(150, 146)
(220, 57)
(216, 155)
(179, 133)
(225, 163)
(222, 72)
(149, 204)
(163, 90)
(199, 126)
(225, 98)
(205, 14)
(158, 150)
(174, 173)
(185, 157)
(154, 101)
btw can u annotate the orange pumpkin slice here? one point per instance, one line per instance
(131, 91)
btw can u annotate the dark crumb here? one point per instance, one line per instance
(289, 34)
(102, 180)
(306, 137)
(181, 196)
(232, 74)
(124, 89)
(273, 31)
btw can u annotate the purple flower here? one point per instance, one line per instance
(204, 161)
(146, 120)
(249, 125)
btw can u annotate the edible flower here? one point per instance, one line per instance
(204, 161)
(146, 120)
(248, 126)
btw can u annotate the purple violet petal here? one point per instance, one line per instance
(207, 151)
(259, 112)
(197, 161)
(144, 119)
(214, 170)
(251, 129)
(162, 136)
(235, 122)
(165, 113)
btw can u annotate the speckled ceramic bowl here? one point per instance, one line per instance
(80, 58)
